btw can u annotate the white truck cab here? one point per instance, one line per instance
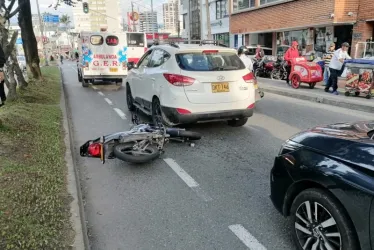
(104, 55)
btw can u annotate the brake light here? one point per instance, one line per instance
(251, 106)
(210, 51)
(179, 80)
(249, 78)
(183, 111)
(94, 150)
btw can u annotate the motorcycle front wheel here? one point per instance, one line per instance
(126, 152)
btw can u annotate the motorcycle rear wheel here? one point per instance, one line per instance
(275, 75)
(125, 152)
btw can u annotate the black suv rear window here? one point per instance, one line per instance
(219, 61)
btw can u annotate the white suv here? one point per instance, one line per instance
(189, 83)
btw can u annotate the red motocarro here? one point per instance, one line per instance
(303, 71)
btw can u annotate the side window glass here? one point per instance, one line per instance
(159, 57)
(145, 59)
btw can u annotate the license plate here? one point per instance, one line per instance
(113, 69)
(220, 87)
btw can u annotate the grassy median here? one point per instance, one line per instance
(34, 202)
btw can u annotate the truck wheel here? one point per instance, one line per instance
(79, 77)
(84, 83)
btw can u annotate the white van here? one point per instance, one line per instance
(104, 55)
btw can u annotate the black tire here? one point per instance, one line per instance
(129, 99)
(312, 85)
(118, 153)
(85, 83)
(187, 135)
(119, 82)
(156, 111)
(347, 93)
(368, 96)
(79, 77)
(237, 123)
(330, 208)
(357, 93)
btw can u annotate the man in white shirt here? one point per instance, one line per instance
(335, 67)
(245, 59)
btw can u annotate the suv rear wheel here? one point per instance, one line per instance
(238, 122)
(129, 98)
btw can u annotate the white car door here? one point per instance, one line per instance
(154, 71)
(137, 75)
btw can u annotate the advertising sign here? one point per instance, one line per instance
(51, 18)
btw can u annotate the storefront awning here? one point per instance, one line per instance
(369, 20)
(298, 28)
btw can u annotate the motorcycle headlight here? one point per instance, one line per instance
(289, 146)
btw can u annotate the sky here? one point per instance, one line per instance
(125, 7)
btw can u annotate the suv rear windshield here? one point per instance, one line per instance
(209, 62)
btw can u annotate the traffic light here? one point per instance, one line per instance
(85, 7)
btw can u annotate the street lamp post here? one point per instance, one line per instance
(41, 32)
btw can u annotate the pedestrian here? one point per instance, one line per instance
(2, 88)
(327, 59)
(245, 59)
(291, 53)
(335, 67)
(61, 58)
(259, 52)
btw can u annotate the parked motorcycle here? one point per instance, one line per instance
(142, 143)
(279, 72)
(263, 67)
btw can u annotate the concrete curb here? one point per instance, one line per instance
(77, 218)
(320, 99)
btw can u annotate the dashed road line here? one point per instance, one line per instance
(246, 237)
(108, 101)
(101, 93)
(73, 69)
(187, 179)
(120, 113)
(94, 87)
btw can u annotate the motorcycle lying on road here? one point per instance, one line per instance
(142, 143)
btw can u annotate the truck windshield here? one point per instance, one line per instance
(135, 39)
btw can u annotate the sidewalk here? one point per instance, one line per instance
(317, 95)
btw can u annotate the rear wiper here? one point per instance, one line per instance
(371, 134)
(224, 68)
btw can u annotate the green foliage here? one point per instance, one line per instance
(34, 202)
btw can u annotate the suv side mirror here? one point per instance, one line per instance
(131, 65)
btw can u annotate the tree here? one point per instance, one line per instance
(30, 45)
(65, 20)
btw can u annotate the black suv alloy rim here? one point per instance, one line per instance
(315, 227)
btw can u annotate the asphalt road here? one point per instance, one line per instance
(220, 200)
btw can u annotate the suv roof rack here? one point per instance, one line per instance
(174, 42)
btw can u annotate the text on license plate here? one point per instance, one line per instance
(113, 69)
(220, 87)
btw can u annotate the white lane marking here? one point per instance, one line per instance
(187, 179)
(101, 93)
(74, 69)
(248, 239)
(94, 87)
(120, 113)
(108, 101)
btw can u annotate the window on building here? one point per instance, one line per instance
(268, 1)
(243, 4)
(221, 9)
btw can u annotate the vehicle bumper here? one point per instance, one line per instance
(177, 118)
(280, 181)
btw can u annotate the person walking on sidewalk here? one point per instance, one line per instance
(291, 53)
(2, 89)
(335, 67)
(327, 58)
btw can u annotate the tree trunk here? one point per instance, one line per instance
(11, 83)
(22, 84)
(30, 45)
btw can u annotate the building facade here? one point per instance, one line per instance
(219, 21)
(314, 24)
(170, 12)
(192, 19)
(148, 22)
(102, 14)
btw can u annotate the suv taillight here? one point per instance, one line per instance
(249, 78)
(179, 80)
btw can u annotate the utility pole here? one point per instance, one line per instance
(41, 32)
(208, 19)
(153, 34)
(132, 15)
